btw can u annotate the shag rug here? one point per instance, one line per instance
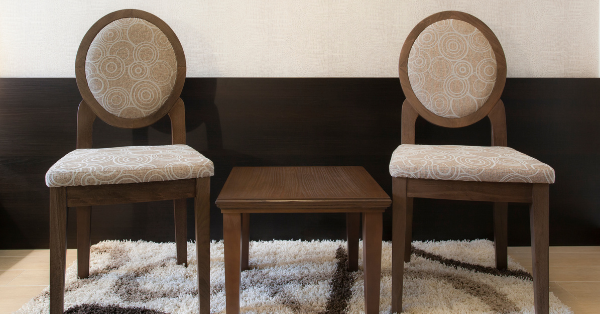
(296, 277)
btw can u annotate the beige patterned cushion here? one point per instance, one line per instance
(452, 68)
(131, 164)
(131, 68)
(468, 163)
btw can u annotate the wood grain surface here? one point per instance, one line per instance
(295, 188)
(302, 183)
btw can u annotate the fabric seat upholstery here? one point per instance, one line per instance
(130, 164)
(468, 163)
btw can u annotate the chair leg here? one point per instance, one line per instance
(202, 217)
(58, 248)
(245, 241)
(501, 234)
(539, 221)
(84, 216)
(399, 232)
(372, 233)
(409, 221)
(352, 235)
(180, 211)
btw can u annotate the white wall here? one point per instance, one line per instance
(303, 38)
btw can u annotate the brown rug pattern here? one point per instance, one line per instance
(295, 277)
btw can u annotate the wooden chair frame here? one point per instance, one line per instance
(84, 197)
(405, 189)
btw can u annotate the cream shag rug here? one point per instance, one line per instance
(296, 277)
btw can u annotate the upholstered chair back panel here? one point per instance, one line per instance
(452, 68)
(131, 68)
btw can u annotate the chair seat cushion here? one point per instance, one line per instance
(468, 163)
(131, 164)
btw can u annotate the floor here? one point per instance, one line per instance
(574, 275)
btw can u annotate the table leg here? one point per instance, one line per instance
(372, 233)
(245, 240)
(232, 227)
(352, 235)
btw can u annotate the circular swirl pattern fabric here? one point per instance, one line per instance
(452, 68)
(131, 68)
(468, 163)
(129, 164)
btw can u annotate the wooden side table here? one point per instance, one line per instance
(349, 190)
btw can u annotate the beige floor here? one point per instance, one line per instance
(574, 275)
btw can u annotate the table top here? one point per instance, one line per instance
(301, 189)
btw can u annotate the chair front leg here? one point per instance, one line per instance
(501, 234)
(202, 215)
(58, 248)
(84, 219)
(539, 221)
(180, 211)
(399, 232)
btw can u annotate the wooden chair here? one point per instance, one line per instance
(452, 71)
(130, 70)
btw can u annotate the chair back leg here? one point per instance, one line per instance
(84, 216)
(501, 234)
(180, 212)
(409, 221)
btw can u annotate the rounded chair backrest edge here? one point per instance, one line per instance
(157, 79)
(493, 96)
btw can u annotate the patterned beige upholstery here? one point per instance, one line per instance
(452, 68)
(132, 164)
(131, 68)
(468, 163)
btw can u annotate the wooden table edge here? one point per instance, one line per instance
(338, 205)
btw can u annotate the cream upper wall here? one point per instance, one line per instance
(306, 38)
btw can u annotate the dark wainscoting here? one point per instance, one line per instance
(306, 121)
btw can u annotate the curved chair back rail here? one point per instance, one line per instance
(452, 69)
(130, 68)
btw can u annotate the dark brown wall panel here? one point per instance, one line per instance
(275, 121)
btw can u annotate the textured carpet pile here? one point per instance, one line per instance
(295, 277)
